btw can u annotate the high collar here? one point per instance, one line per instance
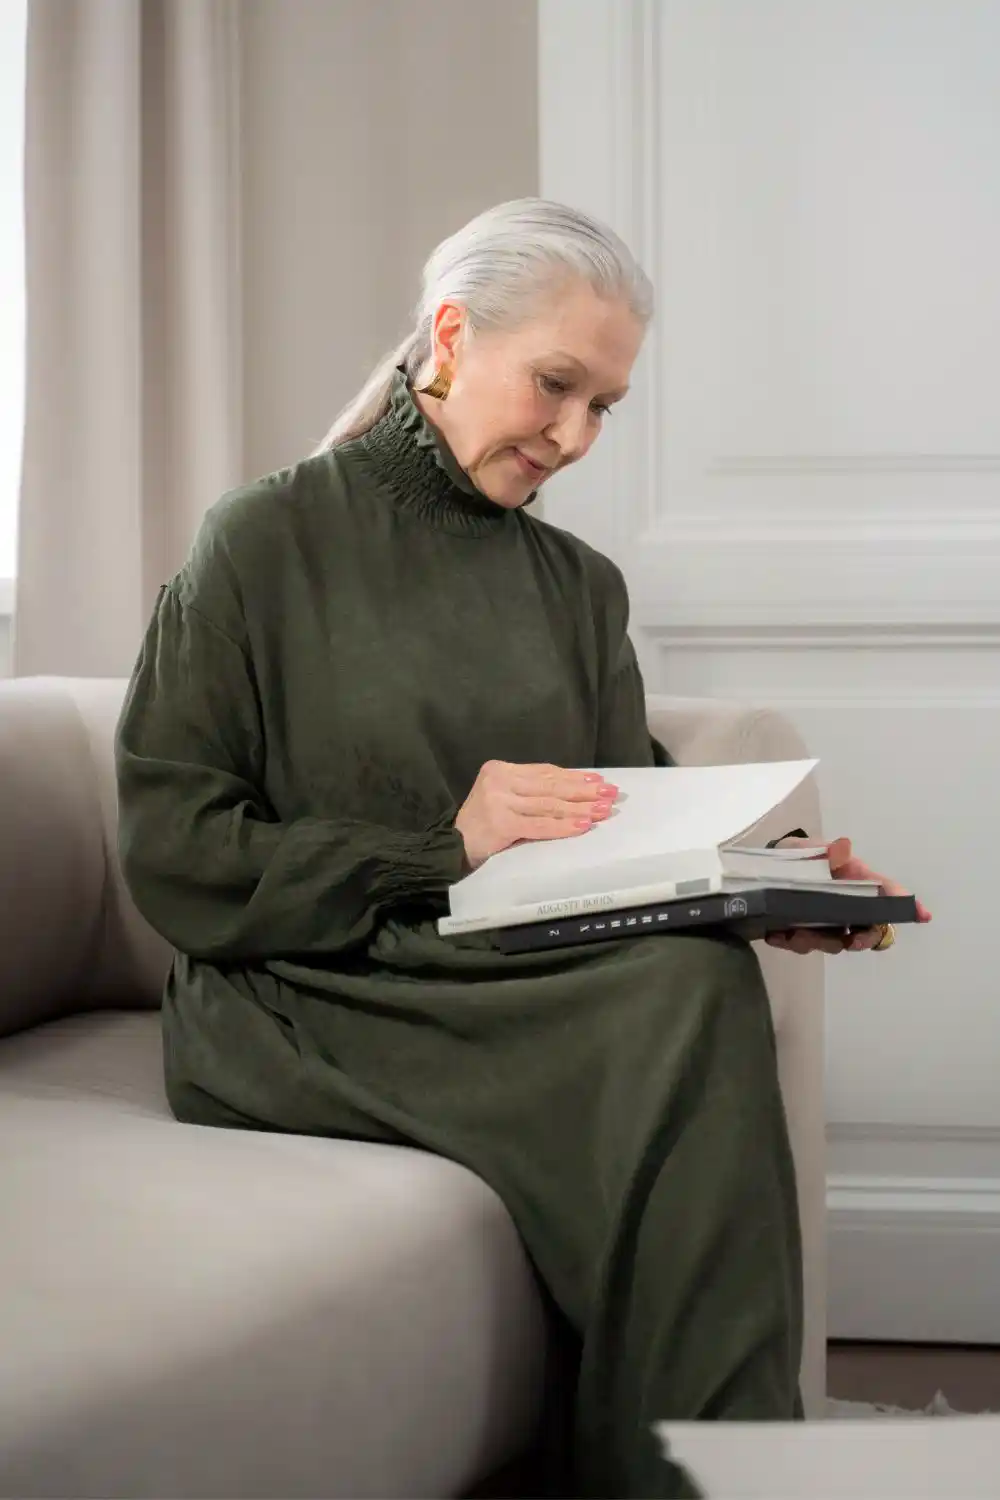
(420, 470)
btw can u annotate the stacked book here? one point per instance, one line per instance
(675, 852)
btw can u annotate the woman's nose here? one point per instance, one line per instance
(571, 433)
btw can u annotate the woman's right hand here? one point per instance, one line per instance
(510, 803)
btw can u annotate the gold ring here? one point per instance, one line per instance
(887, 939)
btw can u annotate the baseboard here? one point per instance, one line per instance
(914, 1257)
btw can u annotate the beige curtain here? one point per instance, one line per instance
(133, 420)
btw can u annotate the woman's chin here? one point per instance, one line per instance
(505, 480)
(510, 496)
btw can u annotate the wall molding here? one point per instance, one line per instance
(929, 1157)
(638, 172)
(911, 1207)
(812, 636)
(759, 578)
(612, 80)
(777, 525)
(854, 464)
(909, 1132)
(913, 1259)
(960, 1203)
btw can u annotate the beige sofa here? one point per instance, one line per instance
(189, 1312)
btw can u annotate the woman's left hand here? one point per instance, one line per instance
(844, 865)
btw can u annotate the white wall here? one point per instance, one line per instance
(805, 498)
(5, 645)
(370, 132)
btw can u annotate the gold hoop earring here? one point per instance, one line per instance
(439, 386)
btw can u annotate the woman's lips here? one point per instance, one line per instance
(528, 465)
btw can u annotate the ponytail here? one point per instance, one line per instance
(372, 401)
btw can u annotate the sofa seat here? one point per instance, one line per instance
(211, 1312)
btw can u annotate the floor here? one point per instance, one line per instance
(911, 1374)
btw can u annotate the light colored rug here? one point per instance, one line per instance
(858, 1410)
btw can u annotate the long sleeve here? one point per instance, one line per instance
(208, 863)
(623, 737)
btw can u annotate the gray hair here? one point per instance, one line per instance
(495, 268)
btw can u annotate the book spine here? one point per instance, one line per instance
(582, 906)
(638, 921)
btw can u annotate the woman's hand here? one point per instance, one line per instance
(510, 802)
(844, 866)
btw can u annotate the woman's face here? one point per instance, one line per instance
(528, 401)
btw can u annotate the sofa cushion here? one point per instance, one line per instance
(225, 1313)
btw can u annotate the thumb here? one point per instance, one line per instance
(839, 853)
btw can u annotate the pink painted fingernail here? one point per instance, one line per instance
(593, 776)
(582, 823)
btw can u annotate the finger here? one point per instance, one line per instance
(804, 940)
(893, 888)
(792, 942)
(855, 870)
(817, 942)
(821, 942)
(889, 886)
(840, 846)
(542, 777)
(549, 775)
(538, 829)
(839, 854)
(565, 786)
(536, 768)
(555, 807)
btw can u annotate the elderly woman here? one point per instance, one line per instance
(375, 671)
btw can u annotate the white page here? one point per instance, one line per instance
(661, 810)
(791, 855)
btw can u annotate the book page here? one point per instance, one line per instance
(661, 810)
(790, 855)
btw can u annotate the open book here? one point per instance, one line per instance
(672, 834)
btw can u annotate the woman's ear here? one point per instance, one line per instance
(446, 335)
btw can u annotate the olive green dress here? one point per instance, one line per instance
(348, 642)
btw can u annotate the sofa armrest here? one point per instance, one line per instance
(70, 937)
(707, 731)
(52, 864)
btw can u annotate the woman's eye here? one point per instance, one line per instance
(553, 386)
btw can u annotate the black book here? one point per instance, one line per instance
(751, 914)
